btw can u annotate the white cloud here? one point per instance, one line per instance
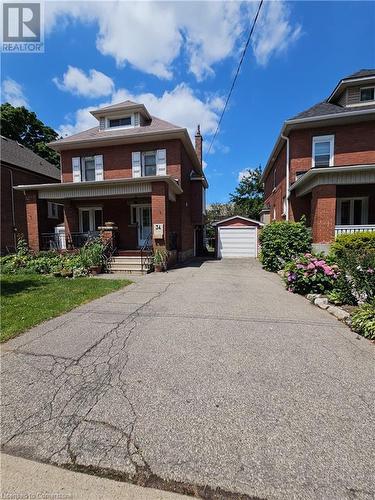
(152, 35)
(12, 92)
(274, 32)
(95, 84)
(242, 174)
(179, 106)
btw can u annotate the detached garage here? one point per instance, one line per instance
(237, 237)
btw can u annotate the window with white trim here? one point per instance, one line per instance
(284, 205)
(352, 211)
(53, 210)
(323, 151)
(367, 94)
(90, 219)
(120, 122)
(88, 168)
(149, 163)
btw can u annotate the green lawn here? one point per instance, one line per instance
(27, 300)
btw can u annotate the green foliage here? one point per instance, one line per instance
(354, 242)
(59, 264)
(283, 241)
(248, 197)
(160, 257)
(215, 212)
(363, 320)
(309, 274)
(23, 126)
(22, 248)
(342, 292)
(92, 254)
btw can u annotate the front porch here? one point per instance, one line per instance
(138, 211)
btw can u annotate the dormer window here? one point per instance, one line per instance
(367, 94)
(120, 122)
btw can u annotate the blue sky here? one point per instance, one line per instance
(179, 58)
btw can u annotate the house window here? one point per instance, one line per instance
(274, 179)
(352, 211)
(149, 163)
(90, 219)
(367, 94)
(53, 210)
(120, 122)
(284, 205)
(323, 150)
(204, 211)
(274, 212)
(88, 168)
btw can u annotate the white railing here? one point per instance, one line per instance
(353, 229)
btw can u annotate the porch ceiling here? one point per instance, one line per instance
(102, 189)
(353, 174)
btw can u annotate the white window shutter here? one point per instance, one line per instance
(76, 167)
(161, 162)
(99, 168)
(136, 164)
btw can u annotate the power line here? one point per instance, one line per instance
(237, 72)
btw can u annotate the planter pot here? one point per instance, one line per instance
(95, 269)
(159, 268)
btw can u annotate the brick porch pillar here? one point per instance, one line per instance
(323, 213)
(159, 204)
(31, 199)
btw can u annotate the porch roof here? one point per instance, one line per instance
(350, 174)
(102, 189)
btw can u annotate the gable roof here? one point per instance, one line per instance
(217, 223)
(18, 155)
(325, 108)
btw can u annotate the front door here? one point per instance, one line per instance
(143, 223)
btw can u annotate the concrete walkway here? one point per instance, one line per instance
(209, 376)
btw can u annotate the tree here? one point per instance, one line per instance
(23, 126)
(215, 212)
(248, 197)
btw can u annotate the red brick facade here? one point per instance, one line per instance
(354, 144)
(12, 199)
(179, 217)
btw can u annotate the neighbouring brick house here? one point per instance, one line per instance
(135, 170)
(20, 165)
(323, 163)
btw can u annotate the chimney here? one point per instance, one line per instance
(199, 144)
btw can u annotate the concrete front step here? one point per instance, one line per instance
(129, 264)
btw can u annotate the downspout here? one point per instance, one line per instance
(13, 208)
(286, 177)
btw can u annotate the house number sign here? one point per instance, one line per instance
(158, 231)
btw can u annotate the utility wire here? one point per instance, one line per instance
(237, 73)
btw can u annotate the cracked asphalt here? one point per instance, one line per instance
(211, 375)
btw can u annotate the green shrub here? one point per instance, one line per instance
(342, 292)
(309, 274)
(363, 320)
(92, 254)
(282, 242)
(354, 242)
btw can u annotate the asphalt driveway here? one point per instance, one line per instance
(211, 375)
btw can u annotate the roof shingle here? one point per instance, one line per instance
(16, 154)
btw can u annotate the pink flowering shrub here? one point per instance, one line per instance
(310, 274)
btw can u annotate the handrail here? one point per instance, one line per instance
(146, 246)
(108, 251)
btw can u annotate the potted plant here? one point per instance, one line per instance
(91, 256)
(160, 259)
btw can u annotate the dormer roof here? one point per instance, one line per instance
(361, 77)
(125, 106)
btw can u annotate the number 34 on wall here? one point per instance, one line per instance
(158, 231)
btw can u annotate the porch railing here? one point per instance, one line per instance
(58, 241)
(353, 229)
(146, 253)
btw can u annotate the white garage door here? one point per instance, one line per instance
(237, 242)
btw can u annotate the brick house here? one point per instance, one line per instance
(135, 170)
(20, 165)
(323, 163)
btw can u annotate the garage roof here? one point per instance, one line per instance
(237, 217)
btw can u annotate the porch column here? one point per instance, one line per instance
(71, 221)
(159, 204)
(323, 213)
(31, 199)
